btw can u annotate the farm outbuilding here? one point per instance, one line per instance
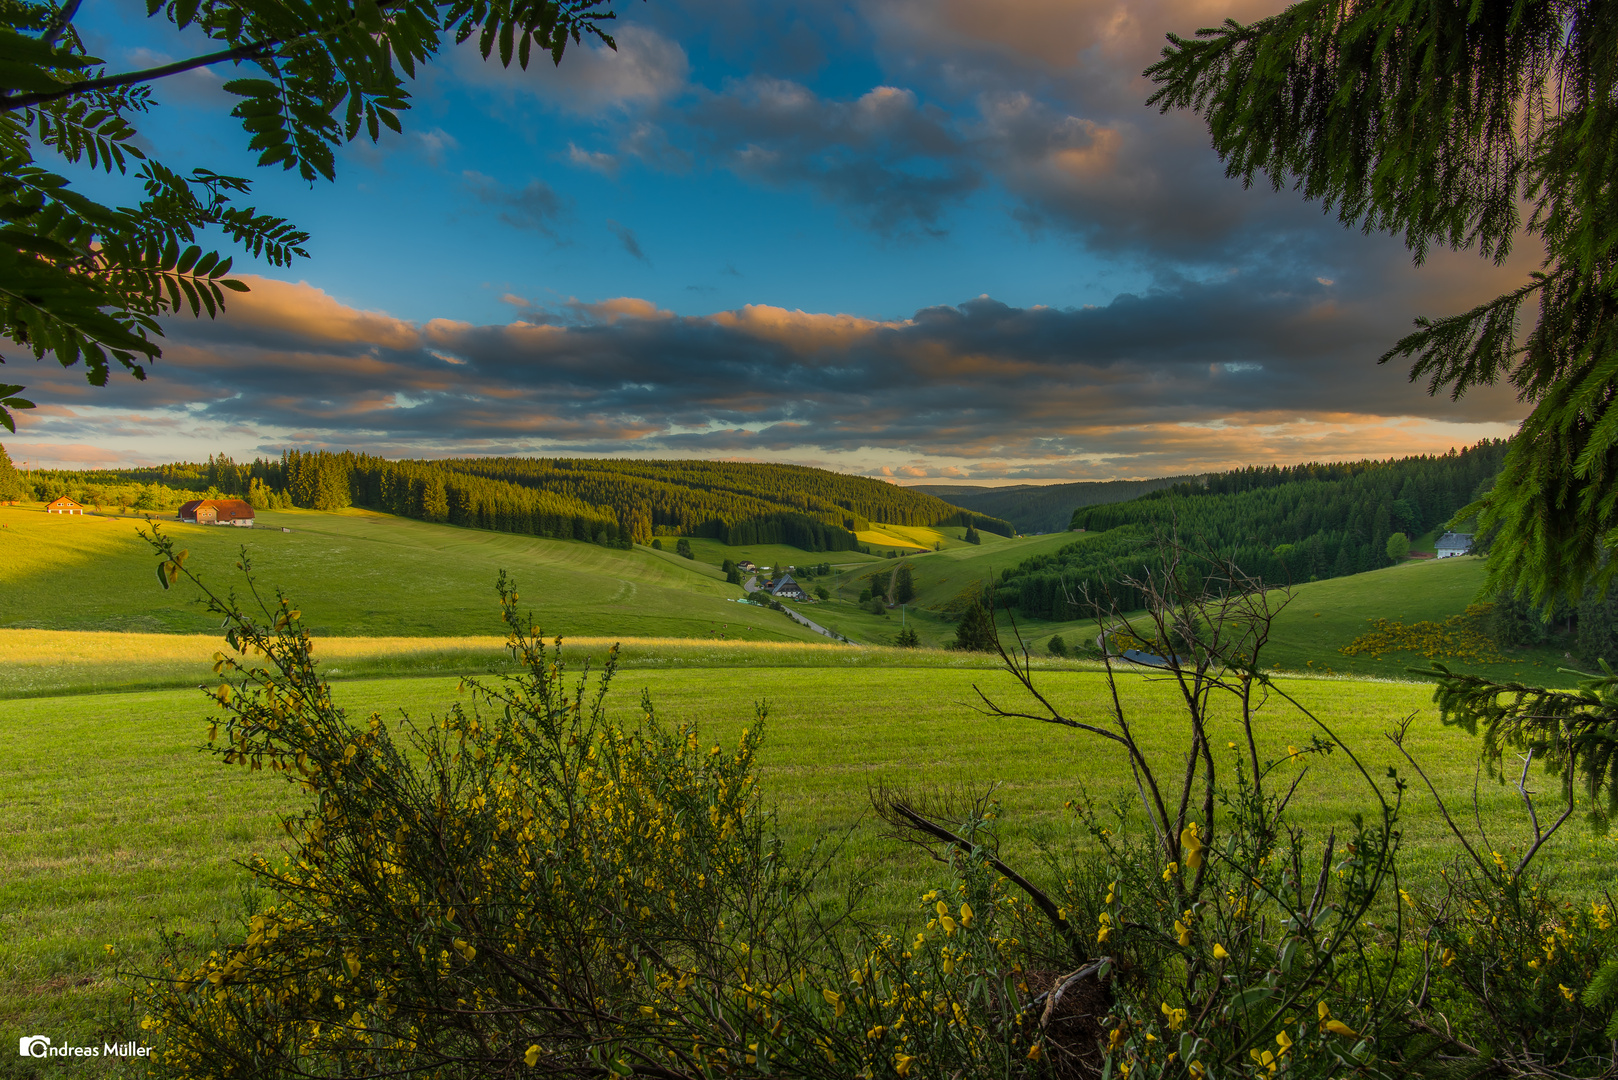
(217, 512)
(64, 505)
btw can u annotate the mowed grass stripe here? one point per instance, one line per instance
(44, 663)
(116, 825)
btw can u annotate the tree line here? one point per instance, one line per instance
(714, 498)
(1299, 523)
(610, 502)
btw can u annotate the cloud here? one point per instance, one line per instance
(1052, 33)
(536, 207)
(200, 88)
(276, 314)
(1201, 374)
(626, 237)
(606, 164)
(64, 455)
(592, 79)
(433, 144)
(895, 163)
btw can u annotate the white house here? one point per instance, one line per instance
(788, 588)
(1452, 544)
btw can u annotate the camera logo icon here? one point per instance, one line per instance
(34, 1046)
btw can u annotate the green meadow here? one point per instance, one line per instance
(1324, 617)
(362, 573)
(118, 826)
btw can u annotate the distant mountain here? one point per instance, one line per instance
(1042, 509)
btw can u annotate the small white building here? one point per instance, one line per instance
(1451, 544)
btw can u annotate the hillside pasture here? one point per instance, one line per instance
(714, 553)
(366, 574)
(119, 827)
(941, 577)
(917, 538)
(1324, 617)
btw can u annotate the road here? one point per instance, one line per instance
(751, 586)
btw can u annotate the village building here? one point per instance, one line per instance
(218, 512)
(747, 566)
(64, 505)
(787, 589)
(1453, 544)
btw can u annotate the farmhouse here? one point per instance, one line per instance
(217, 512)
(747, 566)
(64, 505)
(788, 589)
(1452, 544)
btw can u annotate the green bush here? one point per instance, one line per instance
(904, 584)
(1597, 636)
(1512, 621)
(975, 632)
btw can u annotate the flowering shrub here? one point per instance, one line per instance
(524, 886)
(1248, 957)
(1459, 637)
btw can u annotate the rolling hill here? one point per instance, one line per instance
(1037, 508)
(363, 573)
(1304, 523)
(606, 501)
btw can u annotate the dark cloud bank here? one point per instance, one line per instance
(1190, 367)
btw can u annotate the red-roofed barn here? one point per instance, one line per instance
(217, 512)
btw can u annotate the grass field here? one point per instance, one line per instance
(371, 575)
(1325, 616)
(940, 578)
(117, 826)
(714, 553)
(916, 538)
(362, 573)
(54, 663)
(911, 539)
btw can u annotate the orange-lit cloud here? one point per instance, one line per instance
(1212, 374)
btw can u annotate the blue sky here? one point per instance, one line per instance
(938, 240)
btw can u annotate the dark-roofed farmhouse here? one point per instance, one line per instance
(787, 588)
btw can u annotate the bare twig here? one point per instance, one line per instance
(895, 811)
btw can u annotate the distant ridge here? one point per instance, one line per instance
(1277, 525)
(613, 501)
(1034, 508)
